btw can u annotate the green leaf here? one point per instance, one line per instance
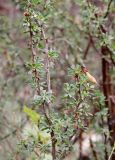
(53, 54)
(33, 115)
(102, 112)
(36, 1)
(38, 65)
(41, 46)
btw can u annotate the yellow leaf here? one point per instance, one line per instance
(44, 137)
(33, 115)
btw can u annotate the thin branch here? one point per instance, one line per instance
(47, 60)
(37, 154)
(13, 132)
(80, 144)
(47, 67)
(33, 52)
(79, 86)
(87, 49)
(31, 41)
(112, 60)
(93, 44)
(93, 150)
(105, 139)
(108, 8)
(52, 134)
(112, 151)
(8, 135)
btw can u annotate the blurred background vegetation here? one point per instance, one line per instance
(82, 32)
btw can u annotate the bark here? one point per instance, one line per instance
(107, 90)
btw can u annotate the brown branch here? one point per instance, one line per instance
(87, 49)
(107, 90)
(77, 106)
(93, 45)
(80, 144)
(47, 67)
(33, 53)
(52, 134)
(93, 150)
(31, 41)
(107, 85)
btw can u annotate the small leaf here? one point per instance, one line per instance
(44, 137)
(36, 1)
(41, 46)
(53, 54)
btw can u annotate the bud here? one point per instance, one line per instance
(26, 14)
(91, 78)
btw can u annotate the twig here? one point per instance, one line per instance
(112, 60)
(80, 144)
(87, 49)
(78, 80)
(33, 55)
(47, 67)
(93, 150)
(37, 154)
(53, 139)
(108, 8)
(12, 132)
(31, 41)
(105, 141)
(47, 60)
(93, 44)
(112, 152)
(107, 86)
(8, 135)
